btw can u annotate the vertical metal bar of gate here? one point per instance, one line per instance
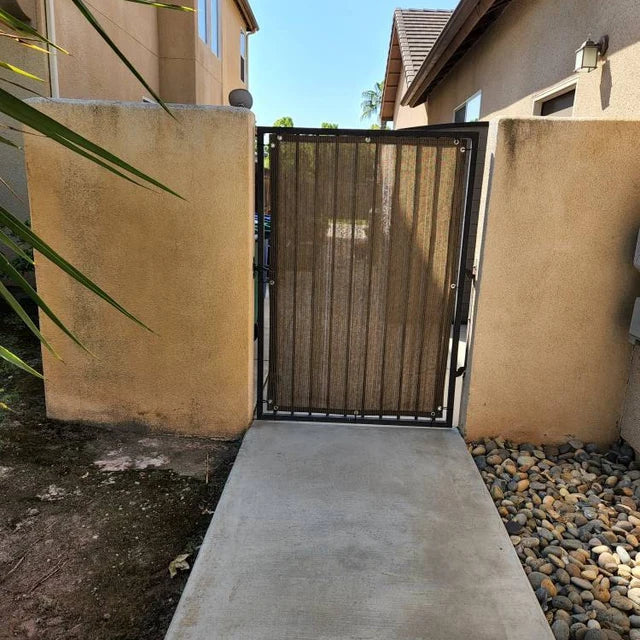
(260, 273)
(262, 267)
(462, 275)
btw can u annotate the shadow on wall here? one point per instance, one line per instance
(606, 83)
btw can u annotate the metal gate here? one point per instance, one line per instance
(362, 272)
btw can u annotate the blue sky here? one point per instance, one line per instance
(312, 60)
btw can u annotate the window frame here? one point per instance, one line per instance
(465, 103)
(215, 4)
(244, 48)
(205, 4)
(559, 89)
(209, 6)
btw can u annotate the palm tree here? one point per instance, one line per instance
(372, 103)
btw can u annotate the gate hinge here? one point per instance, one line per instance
(257, 268)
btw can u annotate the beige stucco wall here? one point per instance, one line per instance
(93, 70)
(404, 117)
(183, 267)
(216, 76)
(549, 350)
(163, 45)
(531, 48)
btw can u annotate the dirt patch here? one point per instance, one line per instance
(91, 518)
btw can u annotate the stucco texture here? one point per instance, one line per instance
(549, 350)
(531, 48)
(182, 267)
(93, 70)
(405, 117)
(163, 45)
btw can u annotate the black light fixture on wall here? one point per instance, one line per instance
(588, 53)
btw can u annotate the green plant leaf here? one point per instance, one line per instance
(21, 86)
(7, 241)
(84, 10)
(25, 113)
(11, 190)
(24, 316)
(163, 5)
(19, 71)
(19, 229)
(22, 27)
(10, 143)
(5, 354)
(32, 45)
(11, 272)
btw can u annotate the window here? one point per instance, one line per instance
(243, 56)
(215, 27)
(209, 24)
(202, 19)
(557, 101)
(560, 106)
(469, 110)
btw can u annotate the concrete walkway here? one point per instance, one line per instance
(329, 532)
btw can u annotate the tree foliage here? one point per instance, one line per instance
(285, 121)
(329, 125)
(371, 104)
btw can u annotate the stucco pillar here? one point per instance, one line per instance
(550, 355)
(183, 267)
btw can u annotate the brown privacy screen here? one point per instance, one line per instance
(365, 250)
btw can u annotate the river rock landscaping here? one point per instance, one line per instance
(572, 514)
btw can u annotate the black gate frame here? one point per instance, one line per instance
(469, 135)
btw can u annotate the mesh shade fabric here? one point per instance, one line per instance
(366, 238)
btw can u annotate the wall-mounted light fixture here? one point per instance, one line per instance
(588, 53)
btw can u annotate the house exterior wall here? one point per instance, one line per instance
(162, 44)
(404, 117)
(194, 373)
(549, 354)
(93, 70)
(216, 77)
(11, 161)
(530, 49)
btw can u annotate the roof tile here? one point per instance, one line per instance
(418, 29)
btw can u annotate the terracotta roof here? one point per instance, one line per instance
(418, 30)
(413, 34)
(467, 25)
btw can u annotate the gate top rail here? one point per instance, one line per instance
(466, 130)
